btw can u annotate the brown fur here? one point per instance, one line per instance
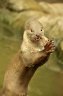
(23, 67)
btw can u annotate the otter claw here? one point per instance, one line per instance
(49, 47)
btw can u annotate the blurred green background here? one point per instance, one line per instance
(48, 79)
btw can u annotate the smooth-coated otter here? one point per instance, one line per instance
(34, 52)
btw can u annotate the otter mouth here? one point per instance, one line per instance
(36, 38)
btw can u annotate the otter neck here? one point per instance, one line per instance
(17, 78)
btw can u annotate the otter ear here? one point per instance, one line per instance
(27, 25)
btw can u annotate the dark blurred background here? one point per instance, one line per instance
(48, 79)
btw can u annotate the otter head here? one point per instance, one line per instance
(34, 35)
(34, 30)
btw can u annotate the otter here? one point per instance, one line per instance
(34, 52)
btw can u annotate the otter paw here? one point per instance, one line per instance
(49, 47)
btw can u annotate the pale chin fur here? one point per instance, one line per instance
(27, 45)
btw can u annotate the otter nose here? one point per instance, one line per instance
(38, 37)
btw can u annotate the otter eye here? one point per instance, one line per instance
(31, 30)
(41, 29)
